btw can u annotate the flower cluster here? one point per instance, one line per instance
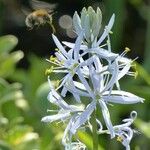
(91, 72)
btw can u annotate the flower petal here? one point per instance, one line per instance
(58, 44)
(56, 117)
(76, 48)
(121, 97)
(83, 117)
(106, 117)
(107, 30)
(71, 45)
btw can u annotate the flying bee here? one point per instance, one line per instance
(41, 14)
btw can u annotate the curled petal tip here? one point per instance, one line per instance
(142, 100)
(43, 119)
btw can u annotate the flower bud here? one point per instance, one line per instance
(90, 22)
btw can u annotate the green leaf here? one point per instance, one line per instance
(7, 64)
(19, 134)
(4, 145)
(144, 127)
(143, 73)
(87, 140)
(7, 43)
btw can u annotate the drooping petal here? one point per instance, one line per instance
(106, 117)
(68, 135)
(55, 98)
(83, 117)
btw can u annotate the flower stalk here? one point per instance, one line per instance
(94, 131)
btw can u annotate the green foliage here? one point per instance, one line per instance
(13, 134)
(87, 140)
(20, 117)
(8, 60)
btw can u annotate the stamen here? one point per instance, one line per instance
(53, 62)
(127, 49)
(49, 71)
(120, 139)
(110, 32)
(49, 110)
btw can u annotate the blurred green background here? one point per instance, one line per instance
(23, 84)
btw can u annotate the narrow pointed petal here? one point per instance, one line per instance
(79, 85)
(113, 78)
(55, 117)
(85, 83)
(71, 45)
(106, 117)
(77, 23)
(58, 44)
(76, 48)
(67, 135)
(122, 97)
(64, 91)
(66, 78)
(124, 71)
(107, 30)
(95, 79)
(60, 57)
(83, 117)
(75, 91)
(103, 53)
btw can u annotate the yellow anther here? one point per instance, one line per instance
(49, 71)
(120, 139)
(110, 32)
(56, 49)
(127, 49)
(52, 58)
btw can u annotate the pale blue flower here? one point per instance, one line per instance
(65, 113)
(124, 132)
(103, 92)
(98, 72)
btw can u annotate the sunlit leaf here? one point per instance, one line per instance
(87, 140)
(144, 127)
(7, 43)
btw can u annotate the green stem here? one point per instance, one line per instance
(147, 44)
(94, 129)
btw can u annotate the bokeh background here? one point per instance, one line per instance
(23, 83)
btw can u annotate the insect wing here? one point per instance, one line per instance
(35, 4)
(26, 11)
